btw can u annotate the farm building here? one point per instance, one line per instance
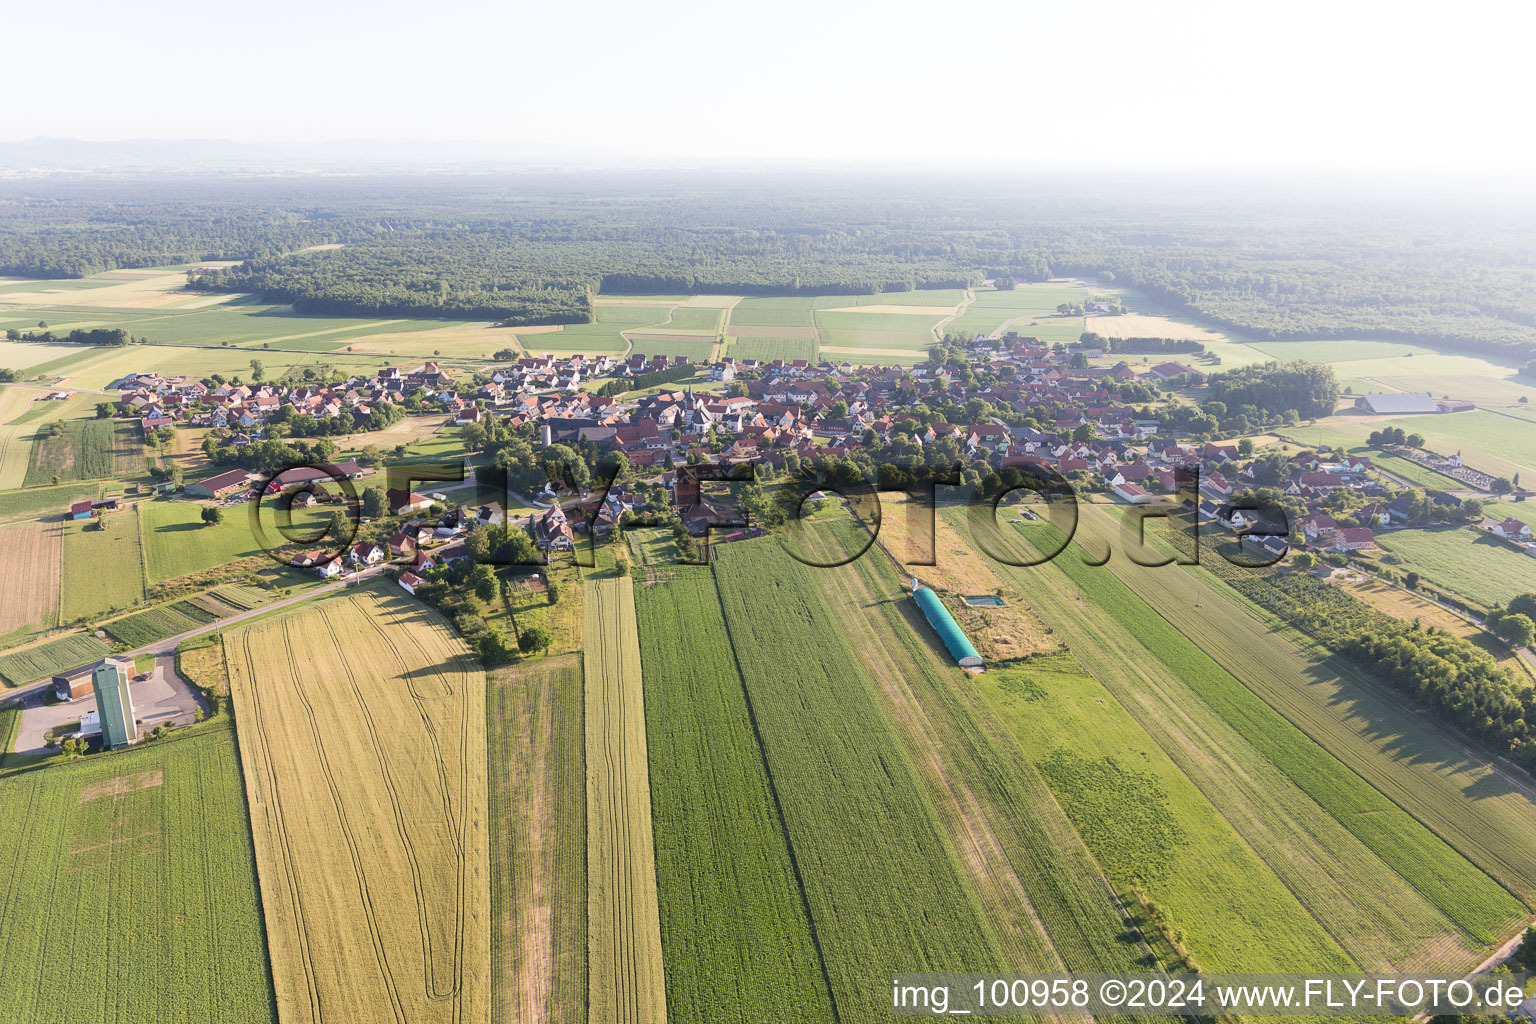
(1395, 405)
(74, 684)
(114, 703)
(221, 486)
(945, 625)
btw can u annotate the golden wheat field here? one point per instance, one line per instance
(363, 741)
(626, 985)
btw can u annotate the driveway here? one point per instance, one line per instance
(161, 698)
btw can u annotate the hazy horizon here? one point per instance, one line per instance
(1126, 87)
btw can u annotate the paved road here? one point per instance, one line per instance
(167, 647)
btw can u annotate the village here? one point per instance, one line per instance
(1107, 429)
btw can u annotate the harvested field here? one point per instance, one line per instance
(626, 984)
(538, 847)
(368, 806)
(30, 596)
(998, 633)
(1143, 325)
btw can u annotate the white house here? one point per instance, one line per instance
(409, 582)
(1511, 529)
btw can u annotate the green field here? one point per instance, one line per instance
(1465, 561)
(177, 541)
(1031, 308)
(769, 349)
(45, 500)
(158, 623)
(103, 569)
(1490, 441)
(1354, 860)
(733, 926)
(1037, 882)
(134, 866)
(1403, 755)
(885, 895)
(85, 450)
(695, 350)
(572, 339)
(46, 659)
(537, 800)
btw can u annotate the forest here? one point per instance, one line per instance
(532, 249)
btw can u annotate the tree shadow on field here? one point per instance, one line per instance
(1405, 734)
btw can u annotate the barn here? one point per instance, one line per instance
(945, 625)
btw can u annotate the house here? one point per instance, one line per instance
(401, 501)
(401, 543)
(1395, 405)
(1320, 529)
(409, 581)
(1511, 529)
(1355, 538)
(330, 567)
(222, 486)
(366, 554)
(552, 532)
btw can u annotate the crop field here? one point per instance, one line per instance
(30, 596)
(368, 807)
(429, 339)
(768, 349)
(696, 318)
(150, 852)
(1341, 849)
(103, 569)
(1464, 560)
(86, 450)
(158, 623)
(23, 355)
(626, 983)
(884, 896)
(1122, 610)
(572, 339)
(1405, 756)
(1038, 884)
(876, 337)
(537, 791)
(242, 596)
(789, 311)
(1029, 310)
(46, 659)
(733, 926)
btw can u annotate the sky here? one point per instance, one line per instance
(1111, 85)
